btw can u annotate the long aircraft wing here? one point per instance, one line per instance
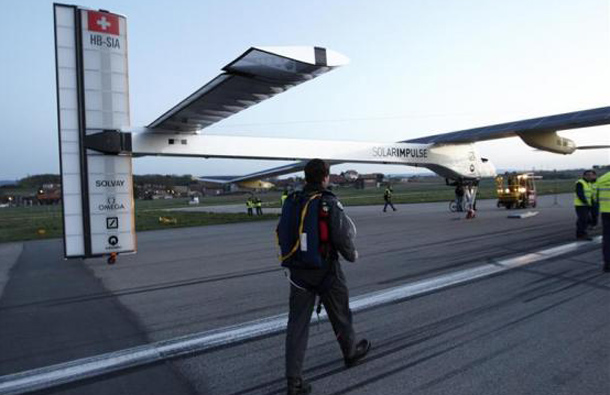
(216, 179)
(537, 132)
(528, 127)
(258, 74)
(273, 172)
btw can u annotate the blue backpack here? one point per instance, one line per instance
(298, 232)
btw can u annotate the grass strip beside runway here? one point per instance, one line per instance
(44, 222)
(35, 223)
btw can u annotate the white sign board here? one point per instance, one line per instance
(93, 96)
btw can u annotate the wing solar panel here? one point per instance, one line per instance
(257, 75)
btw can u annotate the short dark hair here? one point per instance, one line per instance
(316, 171)
(589, 172)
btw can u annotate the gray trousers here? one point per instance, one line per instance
(388, 203)
(336, 304)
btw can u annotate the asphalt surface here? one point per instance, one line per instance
(541, 329)
(9, 252)
(226, 208)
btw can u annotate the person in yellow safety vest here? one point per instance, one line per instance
(594, 214)
(603, 196)
(583, 202)
(250, 205)
(258, 203)
(387, 197)
(284, 197)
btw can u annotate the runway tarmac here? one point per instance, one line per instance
(541, 328)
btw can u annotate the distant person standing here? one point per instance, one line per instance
(283, 197)
(459, 197)
(594, 217)
(387, 197)
(583, 201)
(258, 203)
(468, 202)
(603, 189)
(250, 205)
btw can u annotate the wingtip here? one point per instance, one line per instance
(336, 59)
(306, 54)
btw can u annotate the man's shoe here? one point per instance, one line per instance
(584, 238)
(296, 386)
(362, 348)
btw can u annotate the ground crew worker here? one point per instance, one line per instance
(258, 203)
(583, 201)
(387, 197)
(459, 197)
(594, 214)
(603, 194)
(328, 282)
(250, 205)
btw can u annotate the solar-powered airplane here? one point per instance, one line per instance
(263, 72)
(93, 103)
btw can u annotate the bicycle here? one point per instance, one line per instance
(453, 206)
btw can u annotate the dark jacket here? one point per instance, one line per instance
(342, 234)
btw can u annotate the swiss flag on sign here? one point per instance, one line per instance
(103, 22)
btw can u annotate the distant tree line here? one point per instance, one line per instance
(165, 180)
(33, 182)
(168, 180)
(571, 174)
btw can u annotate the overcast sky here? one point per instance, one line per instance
(417, 68)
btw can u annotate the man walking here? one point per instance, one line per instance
(387, 197)
(313, 231)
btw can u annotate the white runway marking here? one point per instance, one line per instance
(523, 215)
(85, 368)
